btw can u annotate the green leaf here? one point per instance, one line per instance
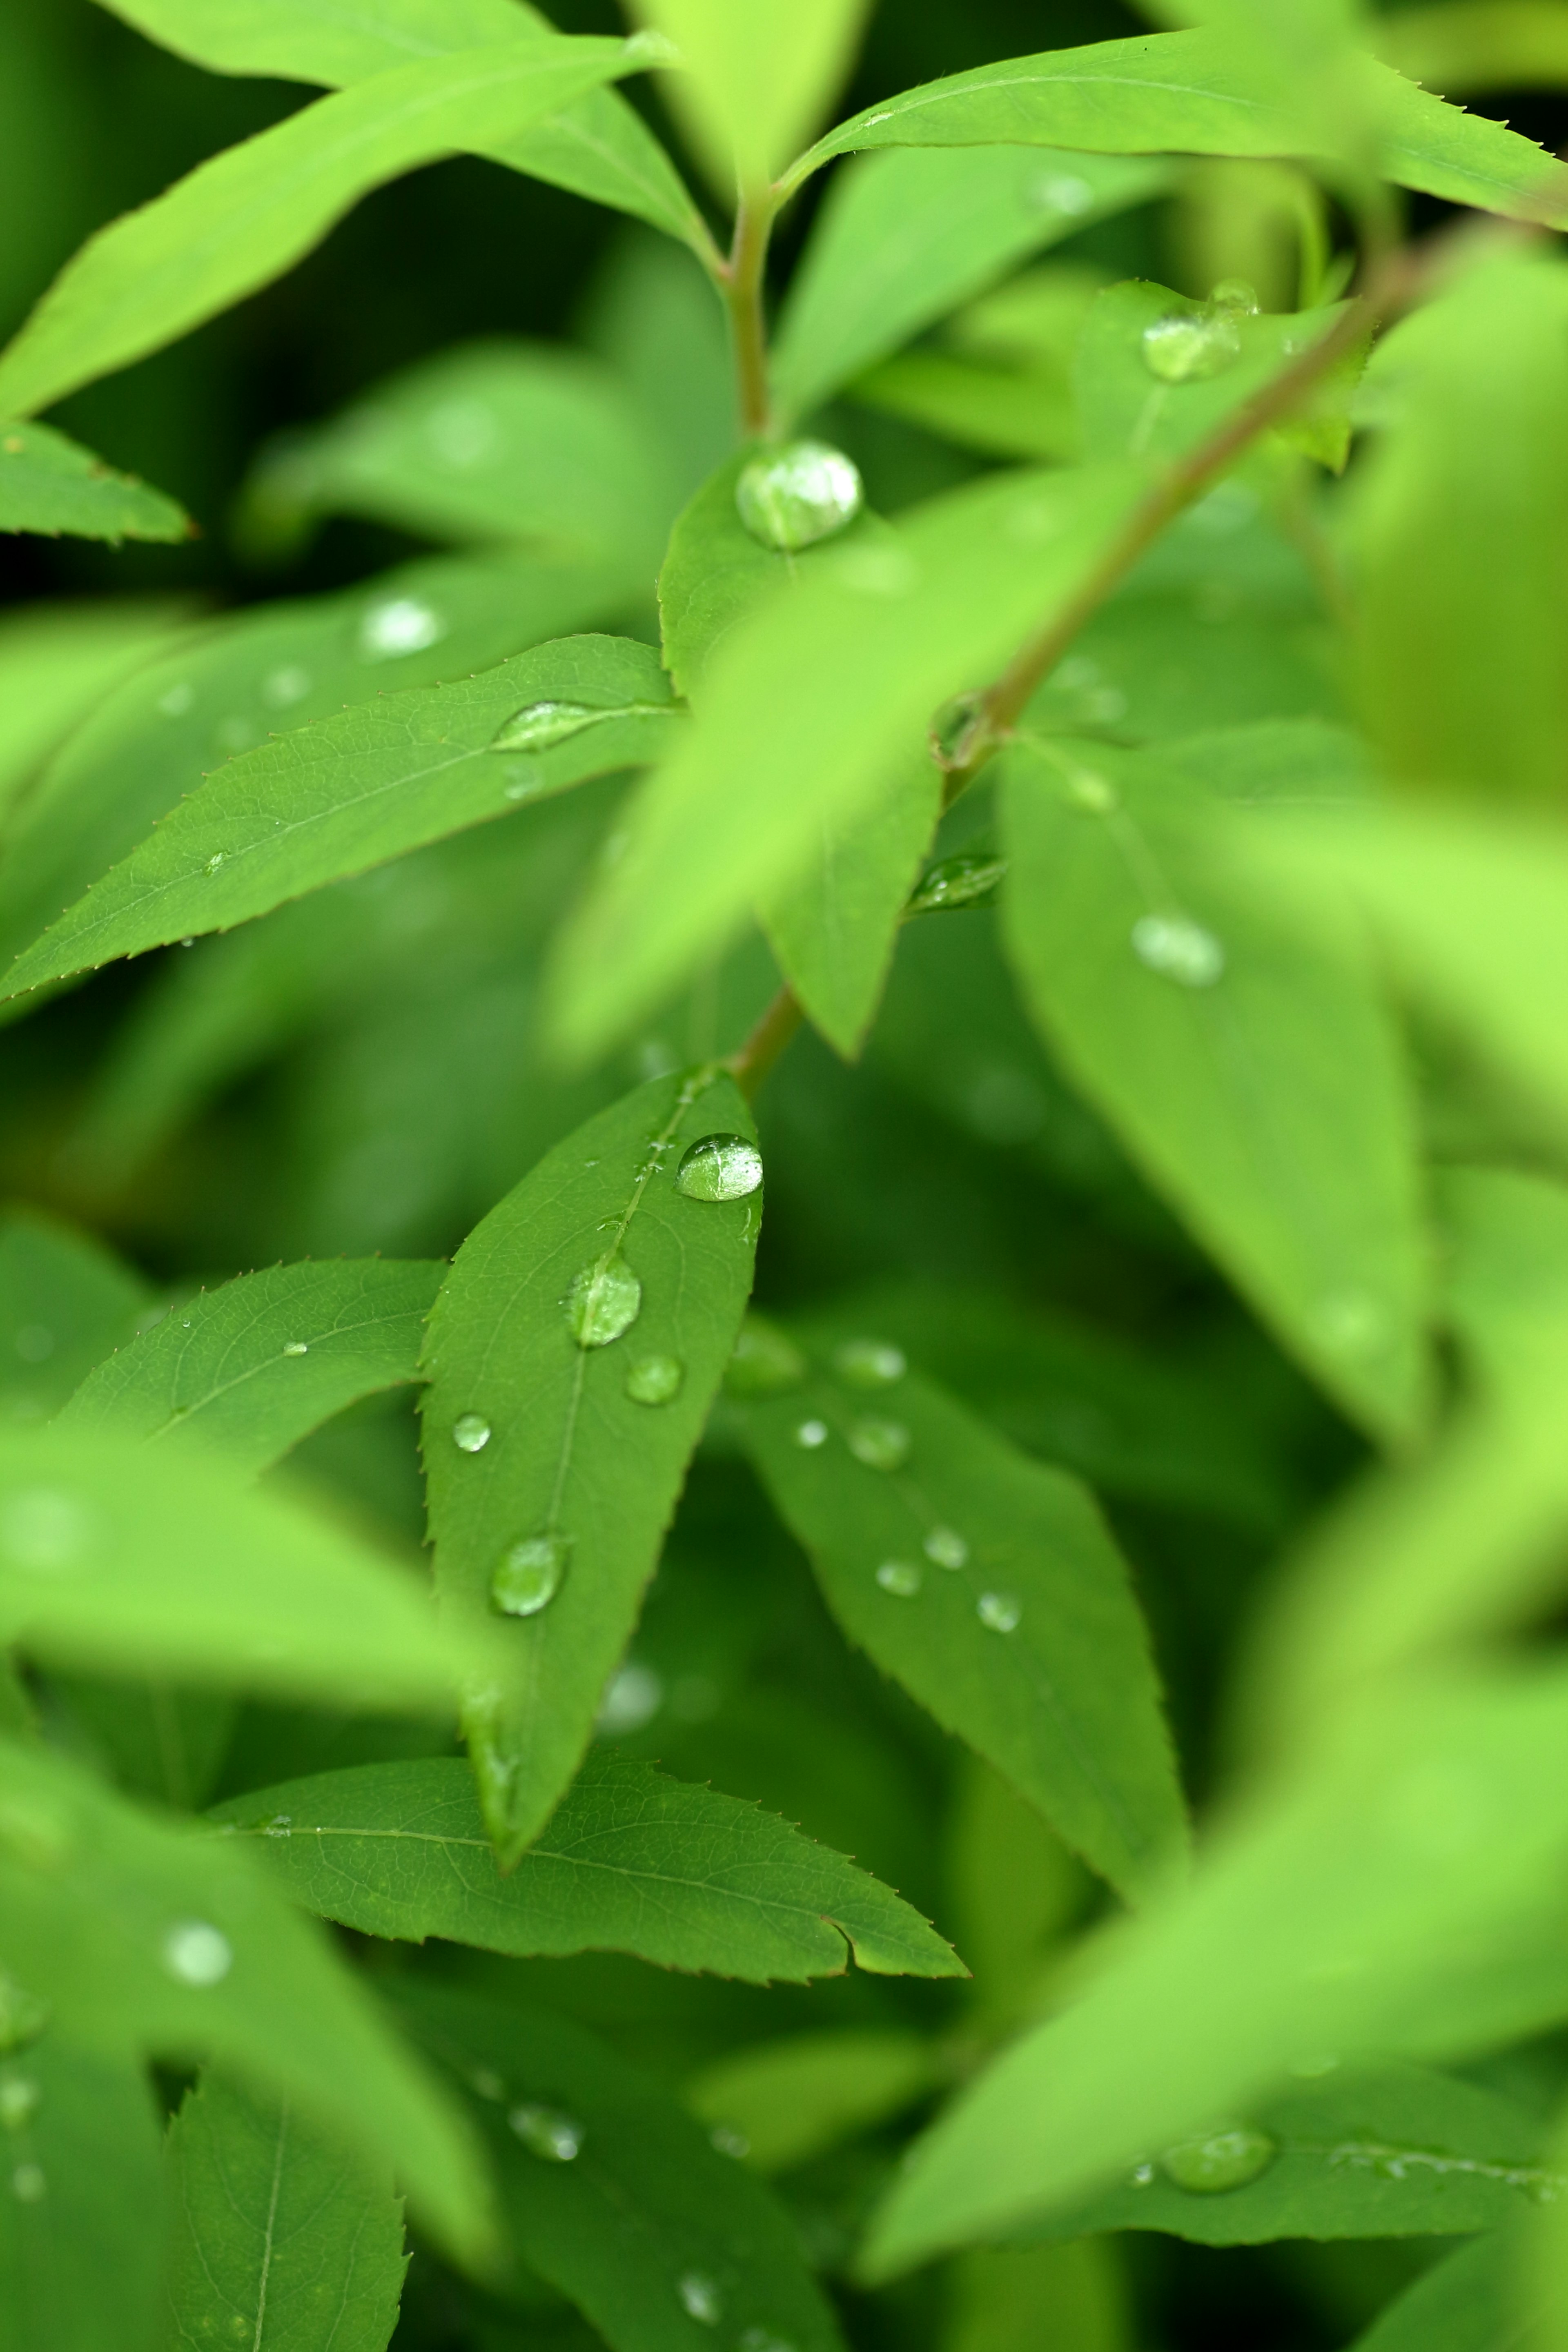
(806, 711)
(249, 1369)
(106, 1561)
(224, 690)
(1462, 2304)
(64, 1303)
(792, 2100)
(1399, 1895)
(56, 660)
(81, 2225)
(1002, 411)
(573, 1469)
(1395, 2153)
(149, 1737)
(903, 238)
(1184, 93)
(655, 2237)
(835, 927)
(275, 2237)
(631, 1863)
(346, 794)
(1470, 46)
(1249, 1066)
(989, 1586)
(1460, 527)
(598, 146)
(179, 1945)
(995, 2297)
(755, 85)
(50, 485)
(241, 220)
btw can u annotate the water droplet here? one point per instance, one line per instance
(879, 1444)
(528, 1577)
(1236, 295)
(399, 624)
(1212, 2161)
(763, 2339)
(19, 2097)
(177, 700)
(811, 1434)
(700, 2295)
(1189, 345)
(470, 1432)
(1064, 191)
(766, 1362)
(461, 433)
(969, 879)
(1000, 1611)
(44, 1531)
(869, 1363)
(633, 1696)
(550, 2134)
(283, 688)
(947, 1547)
(730, 2142)
(281, 1825)
(604, 1300)
(23, 2016)
(958, 730)
(540, 725)
(720, 1168)
(520, 779)
(654, 1380)
(195, 1953)
(794, 496)
(1178, 949)
(901, 1578)
(1094, 793)
(27, 2183)
(296, 1347)
(214, 862)
(1140, 2176)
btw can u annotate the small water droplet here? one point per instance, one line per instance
(879, 1444)
(633, 1696)
(1140, 2176)
(23, 2016)
(540, 725)
(281, 1825)
(957, 731)
(399, 624)
(971, 879)
(1000, 1611)
(19, 2097)
(177, 700)
(791, 498)
(197, 1953)
(1236, 295)
(462, 433)
(654, 1380)
(283, 688)
(901, 1578)
(214, 862)
(470, 1432)
(604, 1300)
(1189, 345)
(296, 1347)
(1063, 191)
(700, 2295)
(1094, 793)
(1212, 2161)
(27, 2183)
(730, 2142)
(870, 1363)
(1179, 949)
(765, 1362)
(44, 1531)
(947, 1547)
(557, 2138)
(811, 1434)
(529, 1575)
(520, 779)
(719, 1167)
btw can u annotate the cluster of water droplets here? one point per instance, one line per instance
(1186, 346)
(791, 497)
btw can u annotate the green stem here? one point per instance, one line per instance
(740, 279)
(767, 1041)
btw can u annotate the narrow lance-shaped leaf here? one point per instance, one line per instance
(573, 1355)
(349, 793)
(617, 2197)
(631, 1862)
(794, 2098)
(66, 1302)
(56, 661)
(277, 2235)
(1236, 1054)
(249, 1369)
(985, 1582)
(755, 83)
(243, 219)
(50, 485)
(1469, 2302)
(181, 1946)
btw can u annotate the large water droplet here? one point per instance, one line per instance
(1180, 950)
(214, 862)
(766, 1362)
(869, 1363)
(1212, 2161)
(604, 1300)
(23, 2016)
(947, 1547)
(197, 1953)
(540, 725)
(528, 1576)
(1237, 296)
(555, 2137)
(470, 1432)
(654, 1380)
(44, 1531)
(879, 1444)
(19, 2097)
(28, 2184)
(789, 497)
(700, 2295)
(901, 1578)
(1189, 345)
(970, 878)
(810, 1434)
(1001, 1612)
(720, 1168)
(399, 624)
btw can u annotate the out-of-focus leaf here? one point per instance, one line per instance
(56, 661)
(614, 2195)
(989, 1586)
(806, 713)
(1465, 2303)
(50, 485)
(997, 2295)
(81, 2222)
(277, 2234)
(755, 84)
(792, 2099)
(1004, 412)
(149, 1736)
(903, 238)
(146, 1936)
(66, 1302)
(242, 219)
(574, 1475)
(346, 794)
(1470, 46)
(107, 1554)
(631, 1862)
(249, 1369)
(1237, 1056)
